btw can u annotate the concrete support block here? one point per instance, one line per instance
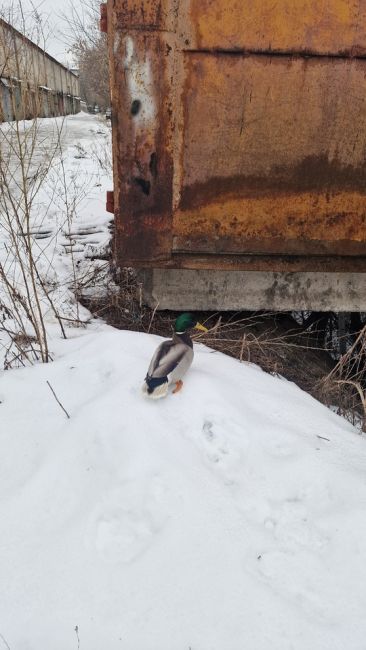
(182, 290)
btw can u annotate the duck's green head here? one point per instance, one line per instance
(186, 322)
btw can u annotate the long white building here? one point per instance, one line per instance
(33, 83)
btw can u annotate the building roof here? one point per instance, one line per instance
(27, 40)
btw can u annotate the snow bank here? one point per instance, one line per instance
(227, 517)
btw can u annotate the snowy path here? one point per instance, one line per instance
(69, 224)
(230, 516)
(82, 138)
(39, 139)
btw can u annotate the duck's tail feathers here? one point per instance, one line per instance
(155, 388)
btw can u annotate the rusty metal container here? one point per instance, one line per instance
(239, 134)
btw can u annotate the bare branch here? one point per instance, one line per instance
(58, 401)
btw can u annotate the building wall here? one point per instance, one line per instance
(32, 83)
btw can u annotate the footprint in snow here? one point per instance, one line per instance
(294, 527)
(217, 448)
(123, 535)
(299, 579)
(125, 524)
(222, 454)
(279, 444)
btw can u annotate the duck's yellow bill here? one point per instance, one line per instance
(200, 327)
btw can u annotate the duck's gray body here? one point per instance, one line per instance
(169, 364)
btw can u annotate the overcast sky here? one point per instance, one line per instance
(55, 27)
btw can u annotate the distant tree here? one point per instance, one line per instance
(94, 73)
(88, 46)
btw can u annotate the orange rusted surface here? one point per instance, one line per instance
(239, 133)
(145, 14)
(277, 263)
(316, 26)
(275, 162)
(275, 225)
(103, 23)
(110, 202)
(141, 71)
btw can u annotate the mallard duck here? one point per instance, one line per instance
(172, 359)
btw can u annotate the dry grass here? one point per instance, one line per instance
(276, 342)
(302, 353)
(345, 384)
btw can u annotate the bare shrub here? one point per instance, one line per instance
(18, 270)
(26, 157)
(345, 385)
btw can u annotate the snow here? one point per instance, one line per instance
(217, 518)
(227, 517)
(69, 173)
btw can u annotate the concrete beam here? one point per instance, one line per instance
(182, 290)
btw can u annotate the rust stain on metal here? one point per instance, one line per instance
(103, 23)
(227, 155)
(278, 263)
(273, 156)
(110, 201)
(309, 26)
(145, 14)
(141, 55)
(292, 223)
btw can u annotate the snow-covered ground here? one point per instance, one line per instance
(230, 516)
(68, 173)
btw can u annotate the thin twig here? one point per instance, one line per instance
(152, 318)
(242, 348)
(57, 400)
(4, 641)
(77, 635)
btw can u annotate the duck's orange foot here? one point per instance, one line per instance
(178, 386)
